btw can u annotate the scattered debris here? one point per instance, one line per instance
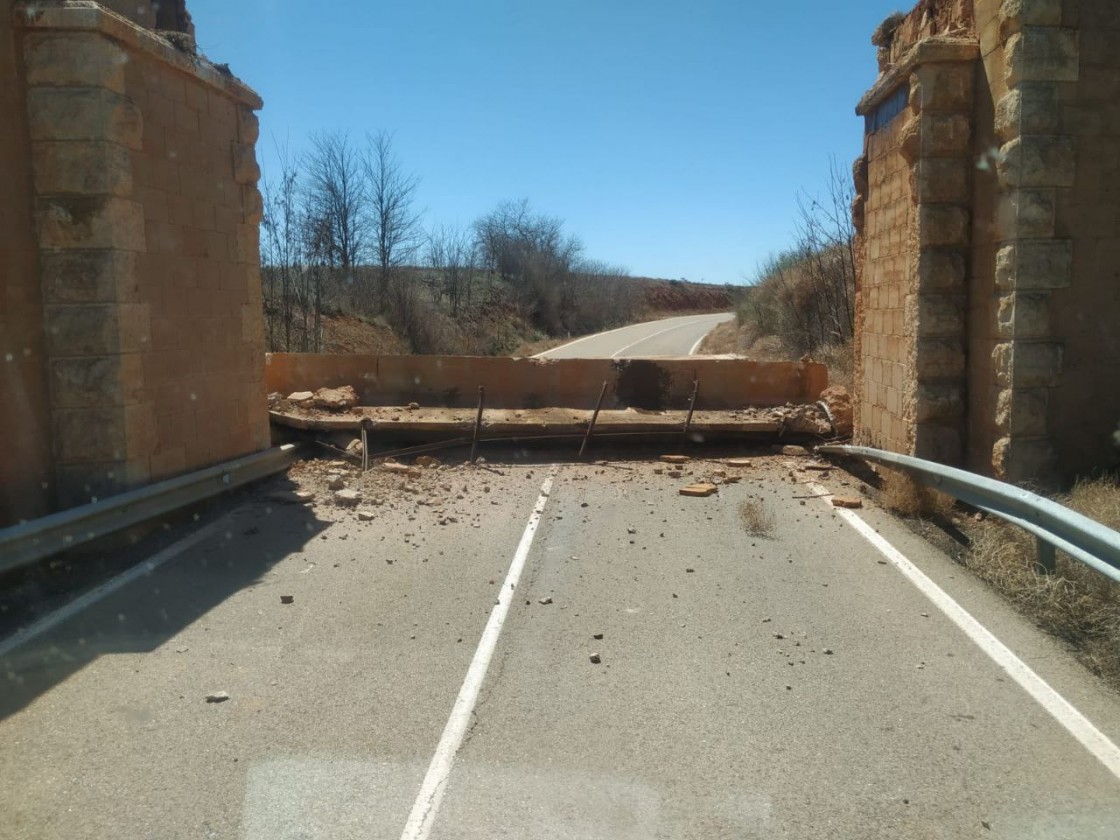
(545, 601)
(401, 469)
(699, 490)
(846, 502)
(738, 462)
(217, 697)
(335, 481)
(287, 599)
(827, 651)
(347, 498)
(819, 466)
(675, 459)
(595, 659)
(414, 406)
(291, 497)
(793, 450)
(427, 461)
(299, 397)
(839, 405)
(597, 636)
(631, 530)
(354, 447)
(336, 399)
(365, 516)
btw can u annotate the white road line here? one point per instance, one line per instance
(1058, 707)
(700, 340)
(648, 337)
(424, 810)
(80, 603)
(589, 337)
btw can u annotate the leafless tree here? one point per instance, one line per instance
(336, 199)
(451, 255)
(395, 224)
(283, 255)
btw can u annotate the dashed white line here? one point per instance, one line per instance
(428, 801)
(1091, 738)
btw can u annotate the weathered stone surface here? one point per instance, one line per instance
(248, 126)
(89, 276)
(253, 205)
(89, 435)
(1029, 265)
(944, 180)
(347, 498)
(74, 221)
(839, 403)
(245, 168)
(847, 502)
(335, 399)
(938, 402)
(1022, 411)
(1021, 460)
(937, 358)
(74, 58)
(700, 489)
(1031, 108)
(938, 442)
(87, 167)
(1042, 160)
(1041, 54)
(937, 315)
(943, 224)
(84, 113)
(96, 381)
(301, 396)
(1025, 214)
(1027, 364)
(944, 87)
(941, 270)
(1015, 14)
(1023, 316)
(946, 135)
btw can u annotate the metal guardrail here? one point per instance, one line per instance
(1054, 525)
(29, 542)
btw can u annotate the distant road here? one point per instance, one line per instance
(668, 337)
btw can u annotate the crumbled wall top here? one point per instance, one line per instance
(896, 35)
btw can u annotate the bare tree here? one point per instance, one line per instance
(282, 251)
(336, 199)
(451, 254)
(394, 222)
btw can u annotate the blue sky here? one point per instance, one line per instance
(672, 137)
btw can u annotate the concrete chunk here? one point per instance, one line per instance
(701, 490)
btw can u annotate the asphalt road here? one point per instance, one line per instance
(668, 337)
(796, 685)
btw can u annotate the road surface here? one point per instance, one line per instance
(678, 336)
(435, 680)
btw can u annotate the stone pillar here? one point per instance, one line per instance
(1035, 162)
(90, 233)
(936, 143)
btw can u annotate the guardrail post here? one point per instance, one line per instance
(1046, 561)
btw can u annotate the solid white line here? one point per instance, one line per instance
(109, 587)
(593, 335)
(424, 810)
(700, 340)
(1059, 708)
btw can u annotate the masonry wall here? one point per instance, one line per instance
(885, 281)
(1084, 405)
(26, 480)
(137, 295)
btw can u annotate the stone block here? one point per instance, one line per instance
(941, 270)
(248, 244)
(1041, 54)
(86, 435)
(141, 436)
(1033, 265)
(1028, 213)
(1015, 14)
(89, 276)
(1037, 160)
(82, 331)
(938, 402)
(79, 59)
(937, 442)
(1022, 411)
(946, 135)
(245, 168)
(1031, 108)
(910, 140)
(248, 127)
(80, 484)
(938, 358)
(84, 113)
(90, 222)
(1023, 316)
(942, 224)
(1025, 461)
(943, 180)
(1027, 364)
(944, 87)
(253, 204)
(96, 381)
(84, 167)
(936, 315)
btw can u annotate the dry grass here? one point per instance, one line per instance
(757, 518)
(1076, 603)
(840, 361)
(906, 497)
(724, 339)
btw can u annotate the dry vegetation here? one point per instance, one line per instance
(903, 495)
(1076, 604)
(756, 517)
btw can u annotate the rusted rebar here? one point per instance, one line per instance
(594, 417)
(477, 422)
(691, 406)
